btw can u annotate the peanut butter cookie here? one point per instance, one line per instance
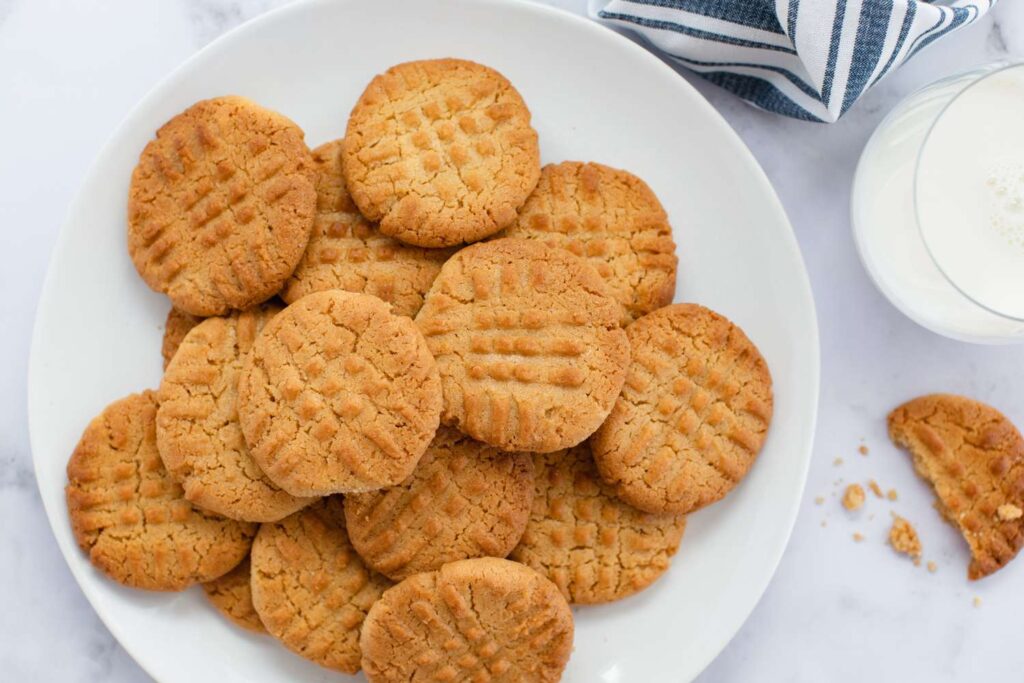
(197, 428)
(348, 252)
(974, 459)
(130, 516)
(463, 500)
(310, 588)
(612, 219)
(221, 205)
(693, 414)
(593, 546)
(339, 395)
(473, 620)
(177, 326)
(440, 152)
(528, 343)
(231, 594)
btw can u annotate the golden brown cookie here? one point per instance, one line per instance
(197, 428)
(463, 500)
(221, 206)
(440, 152)
(348, 252)
(177, 326)
(339, 395)
(310, 588)
(130, 516)
(974, 459)
(231, 594)
(528, 343)
(613, 220)
(592, 545)
(693, 413)
(486, 619)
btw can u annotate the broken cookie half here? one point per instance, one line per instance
(973, 457)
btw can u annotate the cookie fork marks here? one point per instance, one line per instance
(528, 344)
(221, 206)
(973, 457)
(338, 395)
(692, 416)
(440, 152)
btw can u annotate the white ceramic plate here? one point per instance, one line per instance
(594, 96)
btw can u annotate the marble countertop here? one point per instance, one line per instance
(837, 610)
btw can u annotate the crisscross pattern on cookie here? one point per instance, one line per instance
(339, 394)
(485, 620)
(348, 252)
(221, 206)
(973, 456)
(310, 588)
(132, 518)
(693, 413)
(613, 220)
(463, 500)
(440, 152)
(593, 546)
(198, 432)
(528, 343)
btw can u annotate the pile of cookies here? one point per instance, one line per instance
(420, 394)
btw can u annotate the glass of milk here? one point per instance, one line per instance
(938, 205)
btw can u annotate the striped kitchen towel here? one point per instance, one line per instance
(809, 59)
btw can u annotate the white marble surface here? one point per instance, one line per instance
(836, 611)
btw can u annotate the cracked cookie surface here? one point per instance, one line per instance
(463, 500)
(593, 546)
(231, 594)
(131, 518)
(612, 219)
(528, 343)
(973, 457)
(440, 152)
(348, 252)
(177, 325)
(221, 206)
(693, 414)
(310, 588)
(197, 428)
(339, 394)
(485, 619)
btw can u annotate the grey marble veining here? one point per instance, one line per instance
(211, 18)
(832, 600)
(16, 472)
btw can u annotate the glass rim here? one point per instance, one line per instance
(986, 71)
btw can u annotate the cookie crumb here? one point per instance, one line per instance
(1009, 512)
(903, 538)
(853, 498)
(932, 566)
(858, 537)
(837, 462)
(891, 495)
(824, 523)
(977, 601)
(875, 488)
(863, 450)
(819, 500)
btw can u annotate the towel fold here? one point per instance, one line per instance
(809, 59)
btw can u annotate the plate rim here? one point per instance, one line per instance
(543, 12)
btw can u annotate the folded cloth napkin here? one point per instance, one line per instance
(809, 59)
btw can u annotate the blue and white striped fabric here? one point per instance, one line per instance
(809, 59)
